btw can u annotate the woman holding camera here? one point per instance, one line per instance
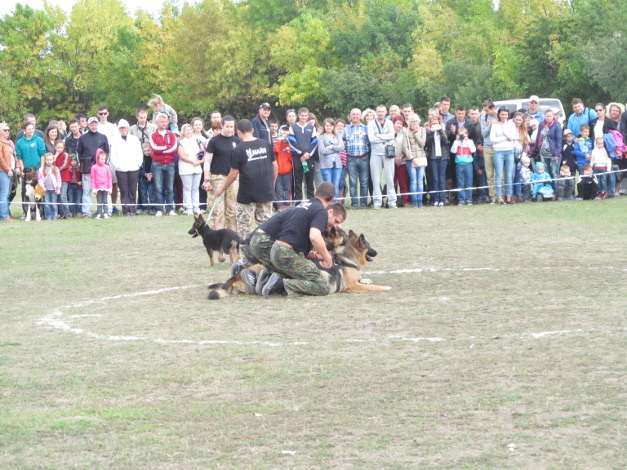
(191, 158)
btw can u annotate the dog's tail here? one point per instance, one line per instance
(220, 290)
(217, 294)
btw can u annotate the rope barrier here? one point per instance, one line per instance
(291, 201)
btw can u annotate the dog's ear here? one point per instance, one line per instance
(352, 234)
(195, 216)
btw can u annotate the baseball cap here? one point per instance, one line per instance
(265, 106)
(92, 119)
(534, 98)
(123, 123)
(567, 131)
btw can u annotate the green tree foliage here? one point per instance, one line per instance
(329, 55)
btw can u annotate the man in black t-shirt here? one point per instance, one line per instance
(217, 167)
(297, 237)
(253, 161)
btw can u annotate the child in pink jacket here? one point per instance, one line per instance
(101, 183)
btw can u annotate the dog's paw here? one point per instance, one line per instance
(365, 281)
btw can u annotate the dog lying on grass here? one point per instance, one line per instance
(350, 256)
(223, 240)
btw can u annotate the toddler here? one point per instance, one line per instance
(525, 173)
(601, 163)
(568, 151)
(49, 178)
(101, 183)
(588, 184)
(74, 190)
(541, 187)
(62, 162)
(583, 147)
(463, 148)
(565, 185)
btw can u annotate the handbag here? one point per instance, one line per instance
(390, 151)
(419, 162)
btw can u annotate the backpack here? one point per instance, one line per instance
(621, 148)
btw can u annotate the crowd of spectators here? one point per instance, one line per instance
(375, 158)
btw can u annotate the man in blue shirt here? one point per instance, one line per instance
(357, 148)
(581, 116)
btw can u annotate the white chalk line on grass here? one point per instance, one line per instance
(55, 319)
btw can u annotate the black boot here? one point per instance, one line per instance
(274, 285)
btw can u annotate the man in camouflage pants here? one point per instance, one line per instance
(253, 161)
(300, 232)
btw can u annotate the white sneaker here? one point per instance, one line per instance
(158, 214)
(106, 216)
(98, 216)
(172, 213)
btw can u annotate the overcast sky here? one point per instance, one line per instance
(152, 6)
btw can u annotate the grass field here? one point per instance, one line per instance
(502, 345)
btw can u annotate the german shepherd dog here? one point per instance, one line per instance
(32, 200)
(223, 240)
(345, 276)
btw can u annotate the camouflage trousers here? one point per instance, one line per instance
(300, 275)
(245, 213)
(260, 247)
(226, 207)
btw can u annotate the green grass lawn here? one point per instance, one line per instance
(501, 345)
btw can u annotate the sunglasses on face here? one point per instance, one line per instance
(102, 114)
(599, 110)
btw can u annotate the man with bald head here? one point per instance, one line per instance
(357, 148)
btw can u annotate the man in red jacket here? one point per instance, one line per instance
(163, 144)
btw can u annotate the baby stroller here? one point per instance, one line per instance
(545, 193)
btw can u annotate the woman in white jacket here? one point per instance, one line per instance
(503, 134)
(191, 158)
(127, 157)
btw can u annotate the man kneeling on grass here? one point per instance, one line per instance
(296, 232)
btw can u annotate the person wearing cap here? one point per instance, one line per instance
(533, 111)
(127, 157)
(568, 151)
(261, 123)
(88, 144)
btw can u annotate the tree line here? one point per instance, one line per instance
(328, 55)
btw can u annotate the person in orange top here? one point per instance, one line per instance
(283, 153)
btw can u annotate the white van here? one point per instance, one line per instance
(523, 103)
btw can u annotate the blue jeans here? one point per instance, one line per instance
(503, 162)
(146, 195)
(86, 199)
(50, 210)
(439, 178)
(74, 194)
(342, 185)
(283, 187)
(5, 183)
(64, 208)
(416, 182)
(332, 175)
(358, 171)
(602, 179)
(163, 179)
(463, 171)
(554, 168)
(611, 180)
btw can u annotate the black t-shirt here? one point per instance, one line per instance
(221, 147)
(309, 214)
(254, 160)
(274, 225)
